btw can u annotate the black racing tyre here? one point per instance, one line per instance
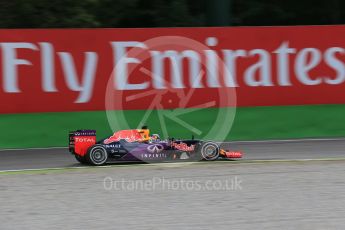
(81, 159)
(97, 155)
(209, 151)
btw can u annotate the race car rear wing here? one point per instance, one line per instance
(81, 140)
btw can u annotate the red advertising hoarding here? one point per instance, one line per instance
(73, 69)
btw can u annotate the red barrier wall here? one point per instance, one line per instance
(68, 70)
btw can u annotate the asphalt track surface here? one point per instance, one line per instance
(279, 185)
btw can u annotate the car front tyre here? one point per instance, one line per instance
(97, 155)
(209, 151)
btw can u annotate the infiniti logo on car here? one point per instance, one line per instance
(157, 148)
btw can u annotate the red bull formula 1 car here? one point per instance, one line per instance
(139, 146)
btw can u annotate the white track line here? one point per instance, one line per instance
(172, 164)
(60, 168)
(177, 164)
(42, 169)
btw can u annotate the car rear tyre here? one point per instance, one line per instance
(97, 155)
(209, 151)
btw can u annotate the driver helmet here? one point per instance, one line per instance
(155, 137)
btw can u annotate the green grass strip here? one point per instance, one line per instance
(251, 123)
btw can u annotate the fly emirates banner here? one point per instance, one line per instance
(52, 70)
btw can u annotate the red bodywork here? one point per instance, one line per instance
(130, 135)
(82, 144)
